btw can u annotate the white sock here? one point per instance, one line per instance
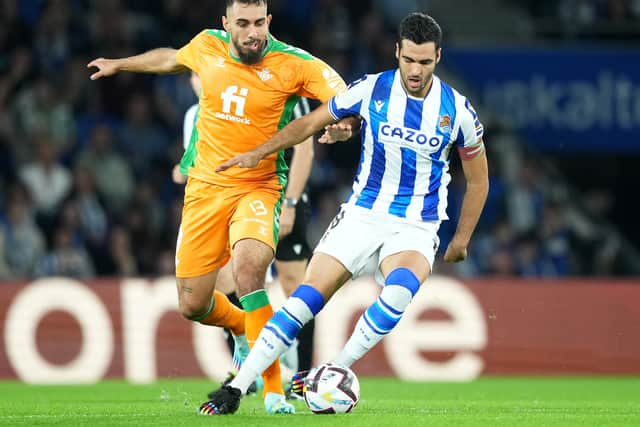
(376, 322)
(277, 335)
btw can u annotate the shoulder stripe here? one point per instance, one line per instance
(219, 34)
(276, 45)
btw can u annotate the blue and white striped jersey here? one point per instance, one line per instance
(406, 142)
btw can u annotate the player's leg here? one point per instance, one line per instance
(201, 250)
(226, 285)
(324, 276)
(278, 333)
(403, 272)
(199, 302)
(332, 264)
(406, 260)
(238, 344)
(253, 234)
(250, 261)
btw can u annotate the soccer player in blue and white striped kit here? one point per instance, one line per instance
(411, 121)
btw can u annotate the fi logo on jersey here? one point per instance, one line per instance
(233, 102)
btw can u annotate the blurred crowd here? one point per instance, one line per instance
(585, 19)
(85, 167)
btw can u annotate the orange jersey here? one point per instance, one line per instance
(241, 106)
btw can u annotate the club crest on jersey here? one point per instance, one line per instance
(445, 124)
(265, 74)
(407, 136)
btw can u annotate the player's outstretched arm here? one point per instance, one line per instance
(294, 133)
(157, 61)
(477, 177)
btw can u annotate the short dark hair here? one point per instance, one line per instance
(258, 2)
(420, 28)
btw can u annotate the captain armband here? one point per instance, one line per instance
(471, 152)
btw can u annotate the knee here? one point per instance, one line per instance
(194, 296)
(192, 310)
(188, 312)
(405, 278)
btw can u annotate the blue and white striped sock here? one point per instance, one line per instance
(380, 317)
(279, 333)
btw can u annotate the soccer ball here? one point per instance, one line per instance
(331, 389)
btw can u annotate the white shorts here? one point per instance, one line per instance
(357, 234)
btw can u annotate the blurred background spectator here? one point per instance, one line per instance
(85, 167)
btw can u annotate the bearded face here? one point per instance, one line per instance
(248, 26)
(250, 50)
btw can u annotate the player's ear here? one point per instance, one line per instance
(438, 55)
(397, 50)
(269, 17)
(225, 23)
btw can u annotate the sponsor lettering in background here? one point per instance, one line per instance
(611, 101)
(558, 100)
(143, 304)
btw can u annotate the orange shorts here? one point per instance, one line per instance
(214, 218)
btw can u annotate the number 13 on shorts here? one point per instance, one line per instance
(258, 208)
(255, 218)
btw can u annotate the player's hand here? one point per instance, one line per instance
(455, 252)
(287, 218)
(177, 176)
(335, 132)
(245, 160)
(106, 67)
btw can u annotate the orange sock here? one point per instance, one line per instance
(225, 314)
(258, 311)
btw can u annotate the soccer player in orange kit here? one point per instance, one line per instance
(250, 84)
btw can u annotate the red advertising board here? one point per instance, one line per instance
(59, 330)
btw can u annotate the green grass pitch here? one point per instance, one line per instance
(503, 401)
